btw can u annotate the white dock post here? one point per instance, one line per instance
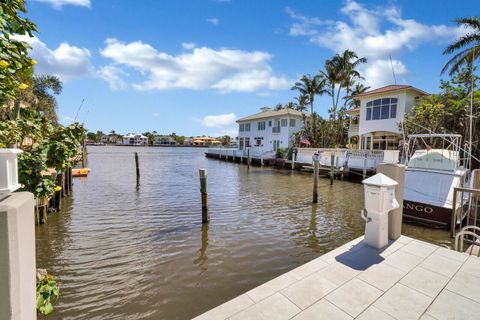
(17, 257)
(397, 173)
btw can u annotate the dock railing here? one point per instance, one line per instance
(465, 209)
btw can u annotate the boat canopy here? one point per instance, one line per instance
(434, 159)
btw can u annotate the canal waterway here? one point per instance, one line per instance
(127, 253)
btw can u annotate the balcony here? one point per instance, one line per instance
(275, 129)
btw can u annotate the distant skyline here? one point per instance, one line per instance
(194, 67)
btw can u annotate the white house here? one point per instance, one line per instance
(132, 139)
(160, 140)
(269, 129)
(374, 125)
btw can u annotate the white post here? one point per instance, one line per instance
(17, 257)
(379, 200)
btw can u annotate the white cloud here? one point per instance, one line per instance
(214, 21)
(375, 33)
(58, 4)
(219, 121)
(379, 72)
(66, 61)
(188, 45)
(156, 114)
(113, 75)
(202, 68)
(67, 118)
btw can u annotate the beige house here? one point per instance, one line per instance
(374, 125)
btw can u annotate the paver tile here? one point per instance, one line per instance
(426, 316)
(308, 268)
(425, 281)
(472, 266)
(227, 309)
(382, 276)
(373, 313)
(309, 290)
(441, 265)
(419, 248)
(466, 285)
(361, 259)
(402, 302)
(275, 307)
(451, 254)
(329, 257)
(391, 248)
(272, 286)
(403, 260)
(450, 305)
(322, 310)
(354, 296)
(404, 239)
(339, 273)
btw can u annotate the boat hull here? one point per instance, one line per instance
(427, 213)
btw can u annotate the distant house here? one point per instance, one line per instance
(202, 142)
(132, 139)
(269, 129)
(374, 124)
(110, 138)
(160, 140)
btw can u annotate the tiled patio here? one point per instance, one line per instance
(409, 279)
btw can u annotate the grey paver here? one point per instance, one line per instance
(309, 290)
(403, 260)
(308, 268)
(272, 286)
(404, 239)
(339, 273)
(354, 296)
(227, 309)
(382, 276)
(425, 281)
(441, 265)
(472, 266)
(322, 310)
(401, 302)
(451, 254)
(373, 313)
(466, 285)
(275, 307)
(419, 248)
(450, 305)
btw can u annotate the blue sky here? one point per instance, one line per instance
(193, 67)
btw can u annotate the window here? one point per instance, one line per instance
(284, 122)
(247, 142)
(247, 126)
(276, 144)
(381, 109)
(241, 144)
(292, 122)
(270, 123)
(261, 125)
(242, 127)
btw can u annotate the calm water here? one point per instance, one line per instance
(123, 253)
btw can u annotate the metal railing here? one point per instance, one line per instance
(472, 232)
(465, 209)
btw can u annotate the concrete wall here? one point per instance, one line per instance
(17, 257)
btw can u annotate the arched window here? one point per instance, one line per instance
(380, 109)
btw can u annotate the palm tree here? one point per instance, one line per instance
(278, 106)
(290, 105)
(311, 86)
(302, 101)
(357, 89)
(44, 89)
(469, 45)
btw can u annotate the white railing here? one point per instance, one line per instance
(254, 152)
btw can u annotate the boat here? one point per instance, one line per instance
(81, 172)
(433, 170)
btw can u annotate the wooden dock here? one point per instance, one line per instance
(408, 279)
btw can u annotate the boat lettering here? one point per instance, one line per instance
(418, 208)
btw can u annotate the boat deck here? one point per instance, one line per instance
(409, 279)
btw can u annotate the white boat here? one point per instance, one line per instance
(434, 169)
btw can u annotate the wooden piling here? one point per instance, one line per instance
(84, 153)
(204, 193)
(315, 179)
(137, 168)
(332, 163)
(249, 160)
(293, 161)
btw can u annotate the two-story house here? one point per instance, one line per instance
(374, 125)
(133, 139)
(269, 129)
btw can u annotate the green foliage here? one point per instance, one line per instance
(32, 165)
(13, 53)
(281, 152)
(47, 292)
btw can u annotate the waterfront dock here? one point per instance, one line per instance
(408, 279)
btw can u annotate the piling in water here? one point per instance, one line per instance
(332, 163)
(137, 169)
(315, 180)
(203, 190)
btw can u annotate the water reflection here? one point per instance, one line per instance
(143, 254)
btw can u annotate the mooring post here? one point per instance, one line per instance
(70, 180)
(365, 166)
(203, 191)
(315, 178)
(332, 163)
(261, 159)
(84, 153)
(248, 159)
(137, 168)
(293, 160)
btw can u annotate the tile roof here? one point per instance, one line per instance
(272, 113)
(392, 87)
